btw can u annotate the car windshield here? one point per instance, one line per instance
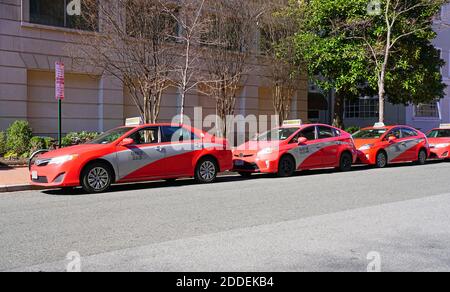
(280, 134)
(110, 136)
(439, 134)
(370, 134)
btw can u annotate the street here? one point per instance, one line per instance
(315, 221)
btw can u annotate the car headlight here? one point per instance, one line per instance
(62, 159)
(365, 147)
(440, 146)
(265, 151)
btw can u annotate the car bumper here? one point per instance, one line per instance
(54, 176)
(364, 157)
(255, 165)
(443, 153)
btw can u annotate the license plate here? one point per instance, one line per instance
(239, 162)
(34, 175)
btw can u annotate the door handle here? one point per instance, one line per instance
(160, 149)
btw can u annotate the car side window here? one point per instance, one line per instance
(408, 133)
(146, 136)
(176, 134)
(325, 132)
(309, 133)
(396, 133)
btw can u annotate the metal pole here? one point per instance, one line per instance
(59, 124)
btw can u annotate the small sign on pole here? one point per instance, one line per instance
(59, 94)
(59, 80)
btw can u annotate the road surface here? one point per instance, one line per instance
(393, 219)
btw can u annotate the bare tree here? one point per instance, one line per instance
(133, 44)
(190, 16)
(230, 44)
(277, 30)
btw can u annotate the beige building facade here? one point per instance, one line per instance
(31, 41)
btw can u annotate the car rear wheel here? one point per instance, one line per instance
(346, 162)
(423, 156)
(206, 170)
(286, 167)
(96, 178)
(382, 160)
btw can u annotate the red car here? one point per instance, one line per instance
(381, 145)
(295, 147)
(440, 142)
(134, 154)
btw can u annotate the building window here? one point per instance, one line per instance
(54, 13)
(427, 110)
(362, 108)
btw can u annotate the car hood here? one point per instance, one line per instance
(78, 149)
(258, 145)
(361, 142)
(435, 141)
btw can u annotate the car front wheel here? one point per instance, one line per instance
(382, 160)
(96, 178)
(286, 167)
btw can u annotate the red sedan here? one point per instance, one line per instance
(134, 154)
(440, 142)
(295, 147)
(381, 145)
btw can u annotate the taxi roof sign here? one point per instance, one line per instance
(292, 123)
(133, 121)
(379, 125)
(444, 126)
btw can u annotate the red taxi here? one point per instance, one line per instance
(381, 145)
(439, 140)
(133, 154)
(293, 147)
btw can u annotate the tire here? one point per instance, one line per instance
(286, 167)
(206, 170)
(422, 159)
(346, 162)
(96, 178)
(381, 160)
(245, 174)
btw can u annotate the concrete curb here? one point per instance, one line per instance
(18, 188)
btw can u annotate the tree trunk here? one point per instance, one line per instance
(338, 117)
(381, 97)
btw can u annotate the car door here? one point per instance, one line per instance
(144, 159)
(307, 156)
(412, 143)
(329, 146)
(397, 148)
(181, 149)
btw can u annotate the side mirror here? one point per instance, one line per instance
(392, 139)
(126, 142)
(302, 140)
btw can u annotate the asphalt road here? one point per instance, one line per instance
(315, 221)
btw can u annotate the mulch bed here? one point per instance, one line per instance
(4, 163)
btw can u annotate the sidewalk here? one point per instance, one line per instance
(14, 179)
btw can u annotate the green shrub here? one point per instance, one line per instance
(2, 143)
(352, 130)
(37, 143)
(11, 155)
(18, 137)
(75, 138)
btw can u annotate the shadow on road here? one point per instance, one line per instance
(221, 179)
